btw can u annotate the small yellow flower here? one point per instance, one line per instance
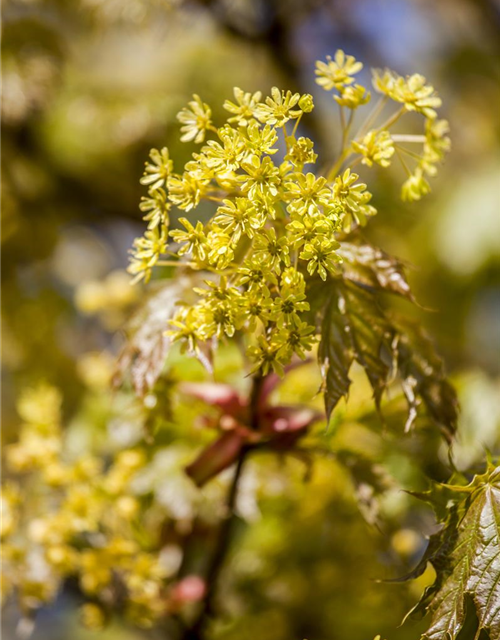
(228, 155)
(436, 144)
(336, 73)
(221, 249)
(158, 170)
(193, 240)
(259, 140)
(196, 120)
(271, 250)
(306, 194)
(185, 191)
(297, 339)
(239, 217)
(254, 273)
(301, 151)
(279, 109)
(262, 177)
(306, 103)
(265, 356)
(245, 107)
(320, 255)
(412, 91)
(415, 187)
(146, 252)
(353, 198)
(353, 96)
(375, 147)
(156, 207)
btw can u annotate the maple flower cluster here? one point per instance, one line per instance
(276, 222)
(83, 522)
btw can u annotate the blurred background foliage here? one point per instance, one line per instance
(88, 87)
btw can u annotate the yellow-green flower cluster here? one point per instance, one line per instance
(82, 521)
(339, 74)
(275, 222)
(414, 94)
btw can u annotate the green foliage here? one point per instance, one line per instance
(277, 270)
(465, 554)
(356, 327)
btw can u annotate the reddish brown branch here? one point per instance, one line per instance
(196, 631)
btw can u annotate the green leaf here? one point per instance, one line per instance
(371, 335)
(442, 496)
(335, 353)
(466, 557)
(423, 377)
(371, 267)
(143, 356)
(354, 327)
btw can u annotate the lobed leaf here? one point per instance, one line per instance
(423, 376)
(466, 557)
(143, 356)
(371, 267)
(355, 327)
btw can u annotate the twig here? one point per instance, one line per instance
(196, 631)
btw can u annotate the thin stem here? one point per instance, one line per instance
(343, 126)
(285, 137)
(344, 151)
(407, 137)
(394, 118)
(174, 263)
(405, 166)
(354, 162)
(347, 130)
(372, 116)
(335, 169)
(412, 154)
(296, 125)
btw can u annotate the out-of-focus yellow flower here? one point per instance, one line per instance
(91, 297)
(405, 542)
(96, 368)
(336, 73)
(9, 499)
(353, 96)
(92, 616)
(40, 405)
(415, 187)
(375, 147)
(412, 91)
(118, 290)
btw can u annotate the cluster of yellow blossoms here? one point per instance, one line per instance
(274, 225)
(82, 521)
